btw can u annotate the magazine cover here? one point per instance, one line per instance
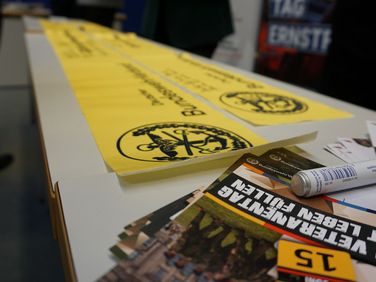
(233, 230)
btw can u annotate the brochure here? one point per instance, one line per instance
(232, 230)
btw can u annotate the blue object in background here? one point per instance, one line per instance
(134, 11)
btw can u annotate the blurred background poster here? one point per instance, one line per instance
(294, 37)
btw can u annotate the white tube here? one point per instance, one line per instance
(307, 183)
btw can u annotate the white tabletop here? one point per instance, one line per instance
(69, 146)
(109, 205)
(96, 203)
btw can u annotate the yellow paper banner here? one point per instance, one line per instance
(139, 120)
(252, 100)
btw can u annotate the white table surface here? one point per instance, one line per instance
(109, 205)
(96, 203)
(71, 149)
(68, 143)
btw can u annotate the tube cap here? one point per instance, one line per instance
(299, 185)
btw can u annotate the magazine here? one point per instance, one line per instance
(231, 230)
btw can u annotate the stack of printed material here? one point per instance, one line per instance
(248, 226)
(356, 149)
(148, 106)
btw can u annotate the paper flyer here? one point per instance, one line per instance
(251, 100)
(355, 149)
(254, 101)
(232, 230)
(371, 126)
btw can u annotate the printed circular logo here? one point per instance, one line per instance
(275, 157)
(252, 161)
(261, 102)
(177, 141)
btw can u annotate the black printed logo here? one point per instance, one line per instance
(177, 141)
(261, 102)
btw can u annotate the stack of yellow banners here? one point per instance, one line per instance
(128, 90)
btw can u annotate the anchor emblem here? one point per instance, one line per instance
(261, 102)
(178, 141)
